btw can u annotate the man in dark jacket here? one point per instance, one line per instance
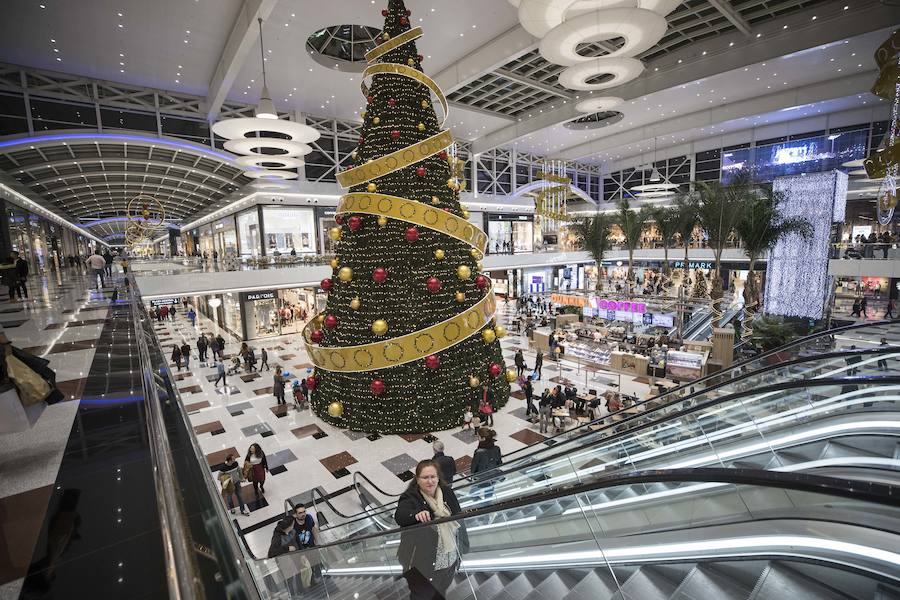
(539, 363)
(284, 540)
(528, 388)
(519, 361)
(202, 346)
(20, 276)
(220, 342)
(109, 260)
(446, 463)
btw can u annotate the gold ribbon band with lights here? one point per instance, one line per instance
(404, 349)
(414, 212)
(395, 160)
(412, 73)
(404, 38)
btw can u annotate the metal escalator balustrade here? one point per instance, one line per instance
(787, 534)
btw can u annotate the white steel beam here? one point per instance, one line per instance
(238, 45)
(724, 7)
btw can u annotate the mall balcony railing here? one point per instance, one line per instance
(208, 265)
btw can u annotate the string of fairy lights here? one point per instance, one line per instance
(393, 278)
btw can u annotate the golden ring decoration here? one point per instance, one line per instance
(393, 43)
(405, 348)
(412, 73)
(148, 224)
(418, 213)
(878, 164)
(395, 160)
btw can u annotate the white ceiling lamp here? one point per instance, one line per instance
(266, 108)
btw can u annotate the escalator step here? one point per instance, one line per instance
(653, 582)
(779, 581)
(707, 582)
(884, 592)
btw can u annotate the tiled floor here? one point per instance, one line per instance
(312, 453)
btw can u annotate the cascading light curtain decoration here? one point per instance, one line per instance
(797, 270)
(564, 25)
(550, 203)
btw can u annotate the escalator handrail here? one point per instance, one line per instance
(324, 498)
(360, 474)
(488, 475)
(876, 493)
(700, 381)
(466, 478)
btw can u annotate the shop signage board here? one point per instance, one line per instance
(259, 295)
(164, 302)
(631, 307)
(694, 264)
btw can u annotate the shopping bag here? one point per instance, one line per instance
(32, 388)
(306, 572)
(535, 375)
(14, 416)
(247, 471)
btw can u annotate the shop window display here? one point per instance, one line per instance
(289, 229)
(277, 312)
(248, 233)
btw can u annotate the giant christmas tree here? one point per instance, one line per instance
(407, 338)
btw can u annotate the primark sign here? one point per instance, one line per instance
(700, 264)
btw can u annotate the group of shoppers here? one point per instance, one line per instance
(232, 475)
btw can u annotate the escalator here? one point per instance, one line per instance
(703, 329)
(653, 535)
(727, 413)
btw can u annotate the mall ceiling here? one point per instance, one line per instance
(713, 73)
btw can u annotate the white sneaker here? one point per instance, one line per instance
(231, 511)
(246, 513)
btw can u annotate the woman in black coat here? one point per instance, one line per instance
(429, 555)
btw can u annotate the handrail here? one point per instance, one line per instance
(877, 493)
(317, 490)
(182, 582)
(372, 483)
(679, 414)
(143, 340)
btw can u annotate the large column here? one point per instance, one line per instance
(5, 238)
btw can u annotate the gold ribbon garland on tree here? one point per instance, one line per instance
(884, 163)
(441, 336)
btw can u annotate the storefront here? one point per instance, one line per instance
(249, 234)
(289, 228)
(510, 234)
(325, 218)
(225, 236)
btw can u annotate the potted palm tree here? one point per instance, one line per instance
(593, 235)
(720, 210)
(666, 218)
(760, 227)
(631, 222)
(686, 210)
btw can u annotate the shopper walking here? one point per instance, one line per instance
(264, 357)
(889, 313)
(220, 342)
(186, 354)
(862, 307)
(530, 408)
(214, 346)
(230, 480)
(258, 467)
(882, 362)
(519, 361)
(20, 276)
(192, 317)
(107, 260)
(539, 363)
(220, 369)
(125, 264)
(545, 409)
(163, 313)
(97, 265)
(485, 459)
(278, 385)
(202, 347)
(446, 463)
(429, 556)
(172, 312)
(486, 406)
(176, 356)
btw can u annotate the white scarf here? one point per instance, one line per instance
(446, 531)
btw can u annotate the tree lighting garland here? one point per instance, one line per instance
(797, 271)
(401, 228)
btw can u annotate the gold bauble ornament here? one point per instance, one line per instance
(379, 327)
(371, 187)
(355, 304)
(353, 154)
(439, 254)
(435, 200)
(488, 336)
(421, 126)
(462, 185)
(474, 381)
(335, 233)
(474, 253)
(465, 214)
(382, 221)
(425, 104)
(451, 184)
(480, 266)
(500, 331)
(411, 62)
(335, 410)
(320, 318)
(376, 120)
(345, 274)
(510, 375)
(463, 272)
(385, 36)
(363, 114)
(335, 263)
(460, 296)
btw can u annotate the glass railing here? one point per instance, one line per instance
(598, 540)
(789, 364)
(730, 423)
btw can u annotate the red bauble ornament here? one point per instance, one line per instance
(495, 370)
(339, 219)
(408, 12)
(354, 223)
(331, 321)
(420, 57)
(316, 336)
(326, 284)
(370, 99)
(395, 135)
(392, 102)
(379, 275)
(420, 171)
(384, 12)
(433, 284)
(377, 386)
(481, 282)
(311, 383)
(432, 361)
(404, 21)
(411, 234)
(442, 155)
(361, 140)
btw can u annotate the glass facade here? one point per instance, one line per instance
(289, 228)
(510, 236)
(225, 236)
(249, 234)
(271, 313)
